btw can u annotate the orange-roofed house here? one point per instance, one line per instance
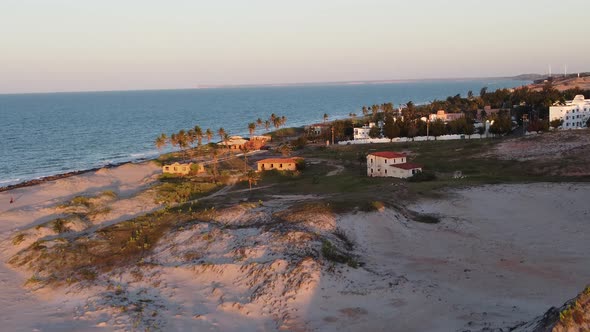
(390, 164)
(280, 164)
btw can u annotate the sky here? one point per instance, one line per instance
(84, 45)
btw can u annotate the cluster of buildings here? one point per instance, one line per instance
(574, 113)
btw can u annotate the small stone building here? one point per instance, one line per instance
(281, 164)
(181, 169)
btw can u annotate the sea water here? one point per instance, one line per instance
(53, 133)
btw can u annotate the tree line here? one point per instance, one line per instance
(512, 103)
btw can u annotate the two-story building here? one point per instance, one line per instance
(363, 132)
(390, 164)
(574, 113)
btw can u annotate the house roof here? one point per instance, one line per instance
(407, 166)
(279, 160)
(388, 154)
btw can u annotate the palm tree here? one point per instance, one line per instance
(283, 120)
(161, 141)
(221, 132)
(209, 135)
(365, 111)
(325, 117)
(259, 122)
(252, 128)
(245, 149)
(277, 122)
(214, 153)
(226, 140)
(182, 139)
(198, 135)
(267, 125)
(252, 177)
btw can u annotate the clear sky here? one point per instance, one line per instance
(77, 45)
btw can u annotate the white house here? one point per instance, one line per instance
(574, 113)
(390, 164)
(363, 132)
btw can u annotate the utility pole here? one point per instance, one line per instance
(332, 135)
(427, 128)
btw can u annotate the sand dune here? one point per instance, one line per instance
(500, 255)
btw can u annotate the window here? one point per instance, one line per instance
(371, 171)
(385, 171)
(386, 161)
(271, 165)
(167, 168)
(280, 165)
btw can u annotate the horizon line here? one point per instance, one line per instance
(254, 85)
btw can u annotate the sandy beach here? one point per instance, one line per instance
(501, 255)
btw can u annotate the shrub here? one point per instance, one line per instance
(426, 218)
(332, 254)
(422, 177)
(59, 226)
(18, 239)
(81, 200)
(88, 274)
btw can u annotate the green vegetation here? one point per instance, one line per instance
(333, 254)
(18, 239)
(174, 190)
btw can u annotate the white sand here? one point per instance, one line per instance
(501, 255)
(24, 310)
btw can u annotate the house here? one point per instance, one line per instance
(363, 132)
(180, 169)
(234, 143)
(317, 129)
(574, 113)
(390, 164)
(443, 116)
(256, 142)
(281, 164)
(487, 112)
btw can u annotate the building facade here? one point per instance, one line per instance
(363, 132)
(280, 164)
(443, 116)
(574, 113)
(179, 169)
(390, 164)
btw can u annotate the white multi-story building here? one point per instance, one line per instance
(574, 113)
(363, 132)
(390, 164)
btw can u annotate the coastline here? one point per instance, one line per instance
(44, 179)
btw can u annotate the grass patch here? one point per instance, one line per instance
(18, 239)
(59, 226)
(333, 254)
(178, 190)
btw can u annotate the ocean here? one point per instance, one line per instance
(52, 133)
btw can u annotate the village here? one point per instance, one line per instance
(273, 152)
